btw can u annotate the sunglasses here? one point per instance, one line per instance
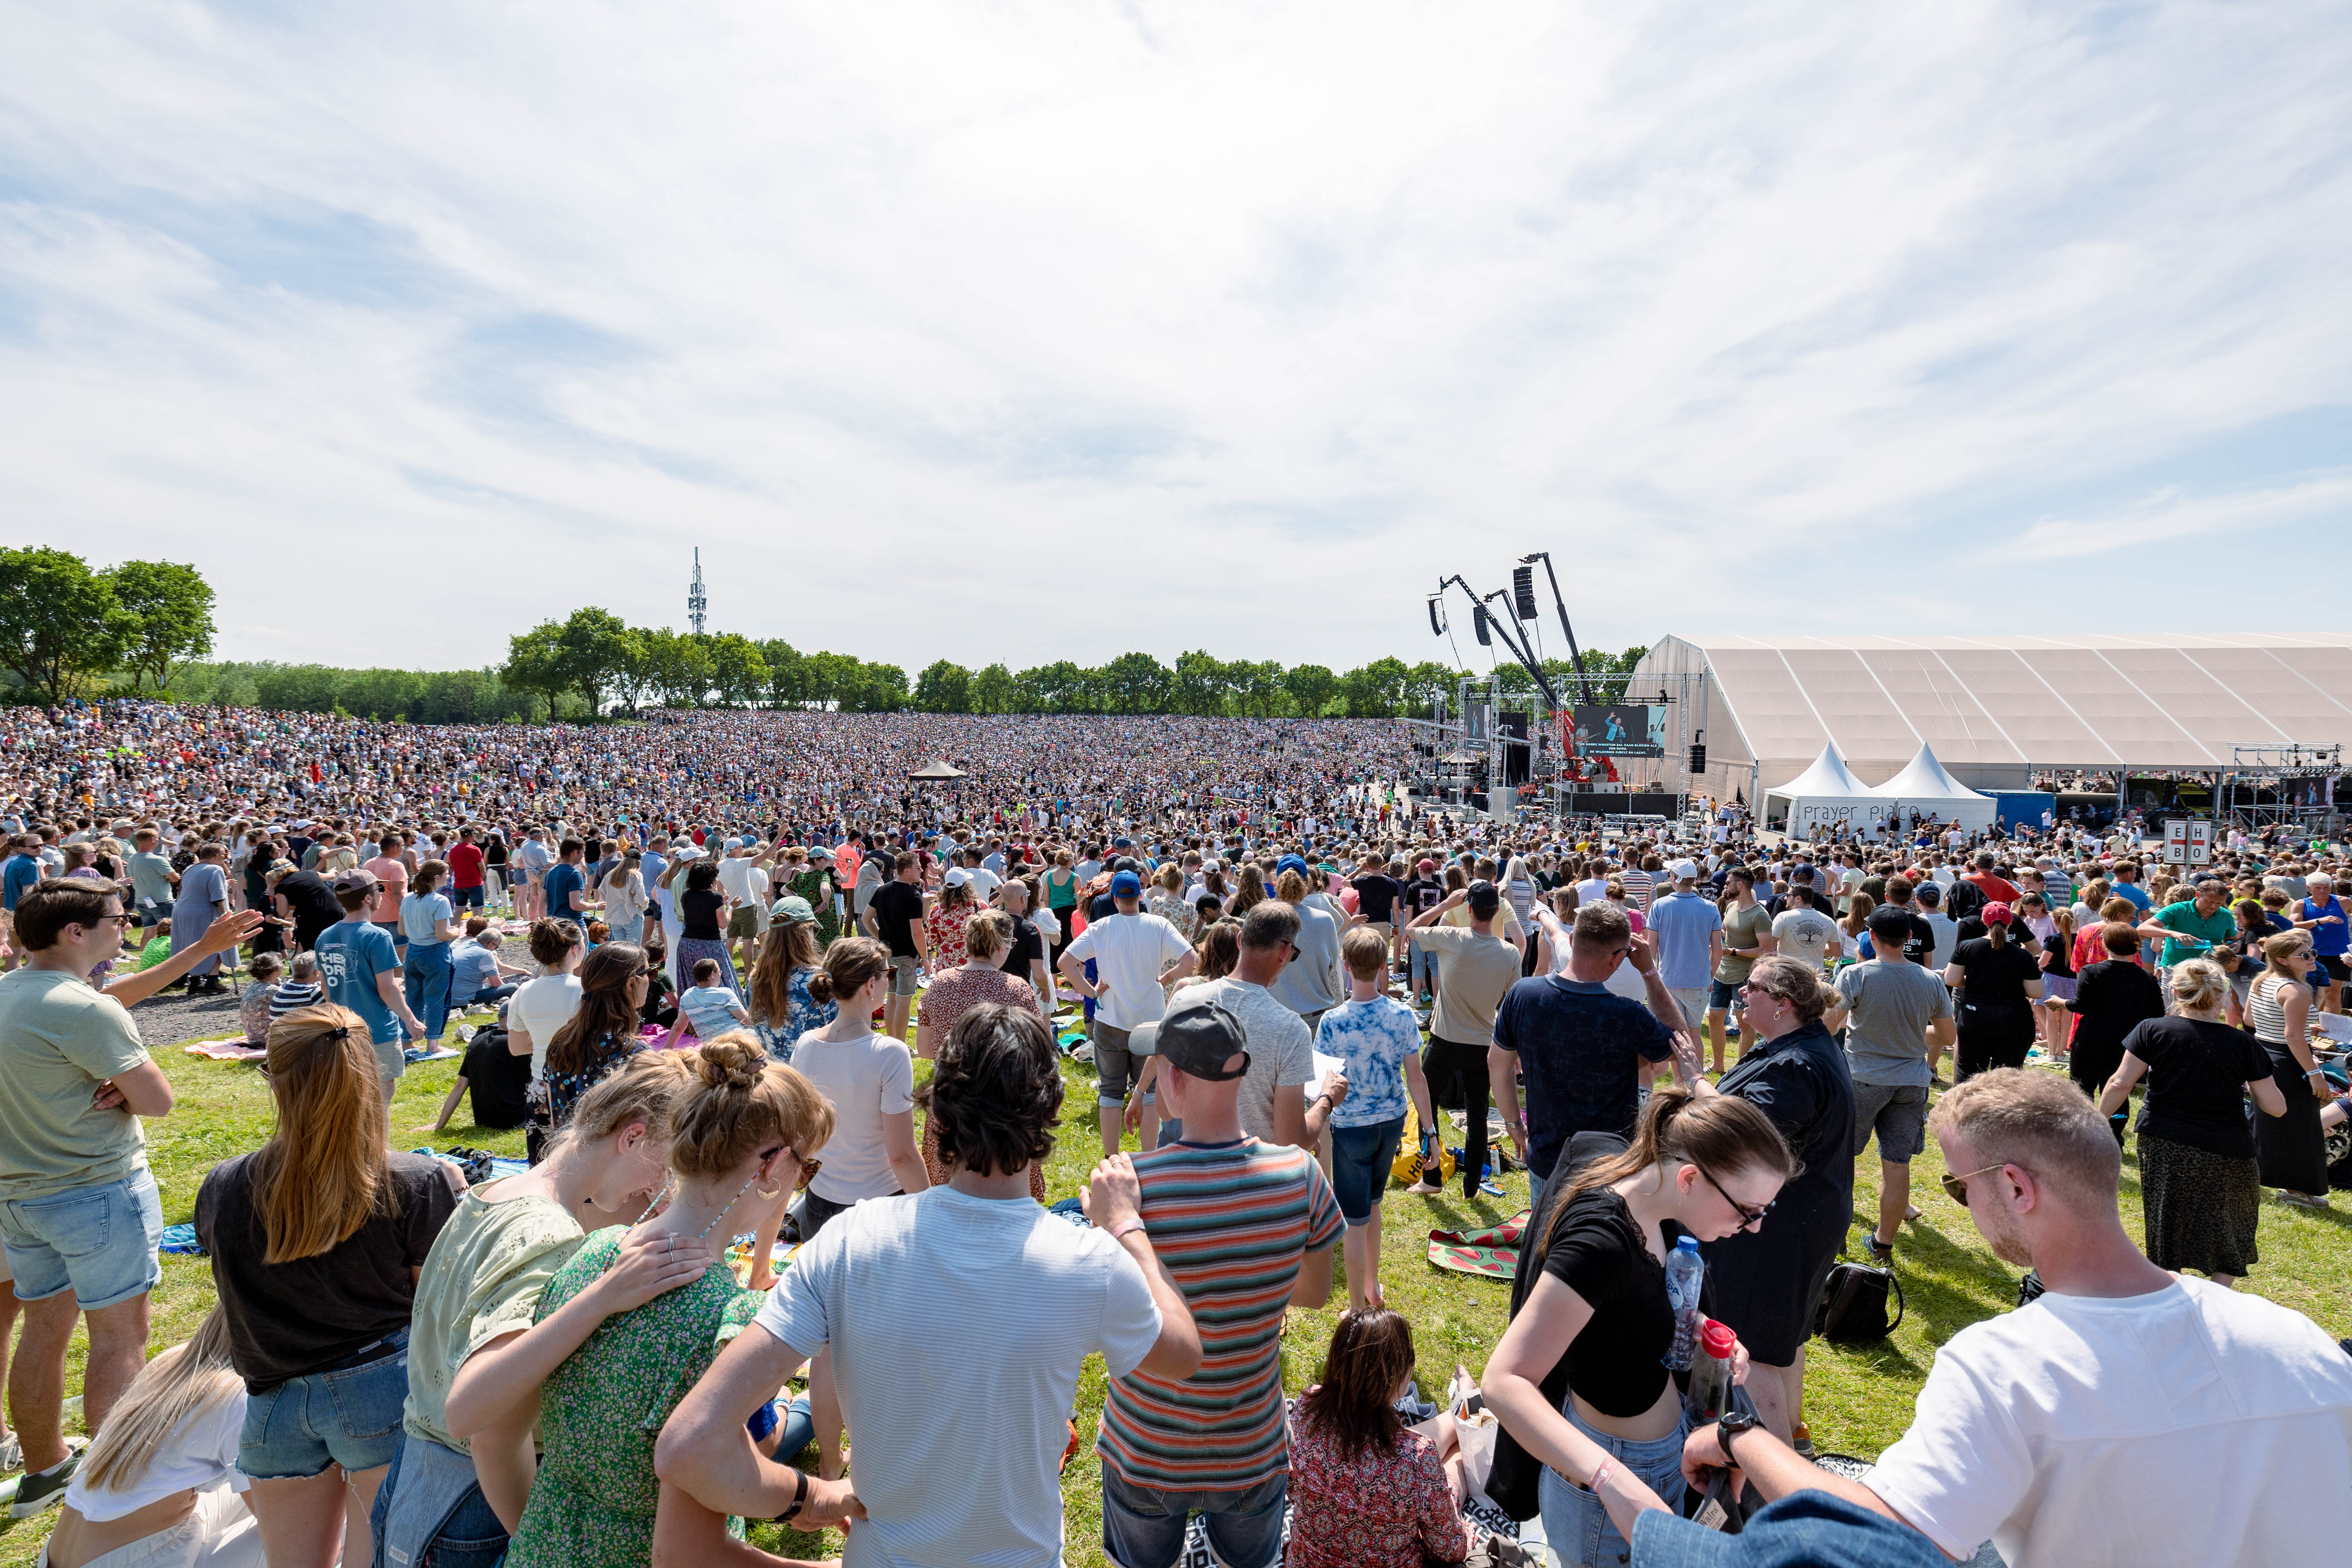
(809, 1168)
(1957, 1187)
(1748, 1216)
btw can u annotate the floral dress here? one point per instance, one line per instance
(1375, 1509)
(816, 887)
(564, 1088)
(803, 1013)
(601, 1410)
(945, 927)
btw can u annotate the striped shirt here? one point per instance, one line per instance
(1231, 1223)
(1637, 885)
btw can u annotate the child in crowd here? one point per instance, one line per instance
(712, 1009)
(300, 988)
(254, 1010)
(159, 945)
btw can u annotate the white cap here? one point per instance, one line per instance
(1684, 870)
(959, 878)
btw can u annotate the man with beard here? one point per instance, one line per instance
(2224, 1419)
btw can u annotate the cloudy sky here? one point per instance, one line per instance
(1028, 332)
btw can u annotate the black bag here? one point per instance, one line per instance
(1511, 1481)
(1853, 1304)
(496, 1078)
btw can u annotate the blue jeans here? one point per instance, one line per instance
(425, 972)
(1577, 1524)
(1360, 1160)
(472, 1536)
(631, 932)
(1144, 1528)
(350, 1416)
(1420, 967)
(99, 1242)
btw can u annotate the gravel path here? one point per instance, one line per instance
(175, 1017)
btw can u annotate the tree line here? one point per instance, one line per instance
(597, 660)
(68, 631)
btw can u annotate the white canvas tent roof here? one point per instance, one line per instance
(1925, 779)
(1829, 778)
(1824, 797)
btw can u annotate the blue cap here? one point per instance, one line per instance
(1290, 863)
(1803, 1530)
(1126, 885)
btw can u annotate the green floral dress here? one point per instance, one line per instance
(601, 1412)
(816, 887)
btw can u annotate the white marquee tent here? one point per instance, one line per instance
(1925, 786)
(1823, 797)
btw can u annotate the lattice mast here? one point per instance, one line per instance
(696, 604)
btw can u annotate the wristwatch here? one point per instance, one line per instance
(800, 1497)
(1730, 1426)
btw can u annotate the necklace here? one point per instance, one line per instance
(704, 1233)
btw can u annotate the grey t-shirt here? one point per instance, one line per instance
(1308, 984)
(150, 877)
(1891, 1006)
(1281, 1052)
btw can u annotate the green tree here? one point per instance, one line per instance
(61, 624)
(993, 691)
(1200, 684)
(1257, 686)
(1310, 688)
(171, 608)
(736, 667)
(832, 681)
(678, 668)
(943, 688)
(598, 651)
(1055, 687)
(879, 688)
(787, 673)
(1136, 683)
(536, 663)
(1376, 690)
(1427, 679)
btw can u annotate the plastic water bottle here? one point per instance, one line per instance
(1710, 1378)
(1685, 1272)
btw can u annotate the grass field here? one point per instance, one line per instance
(1857, 1401)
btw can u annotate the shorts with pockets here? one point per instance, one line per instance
(744, 922)
(350, 1416)
(1721, 995)
(905, 976)
(99, 1242)
(1114, 1065)
(1361, 1159)
(1692, 1000)
(1898, 1111)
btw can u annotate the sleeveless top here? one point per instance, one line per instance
(2264, 1011)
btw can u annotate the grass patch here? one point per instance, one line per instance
(1857, 1400)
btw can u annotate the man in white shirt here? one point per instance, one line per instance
(1135, 955)
(2125, 1416)
(1029, 1298)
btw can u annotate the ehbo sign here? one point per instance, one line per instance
(2187, 842)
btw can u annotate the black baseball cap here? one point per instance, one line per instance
(1202, 1039)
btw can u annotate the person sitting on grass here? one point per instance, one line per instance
(161, 1486)
(712, 1009)
(253, 1007)
(301, 988)
(1366, 1491)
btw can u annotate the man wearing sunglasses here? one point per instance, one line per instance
(2126, 1416)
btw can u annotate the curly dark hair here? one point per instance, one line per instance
(997, 1091)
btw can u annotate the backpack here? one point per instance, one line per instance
(1853, 1304)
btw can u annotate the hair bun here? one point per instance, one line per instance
(731, 1062)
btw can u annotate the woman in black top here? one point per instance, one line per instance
(315, 1240)
(702, 917)
(1998, 982)
(1766, 1282)
(1704, 1167)
(2199, 1185)
(2111, 998)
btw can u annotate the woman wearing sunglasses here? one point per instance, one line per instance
(1579, 1378)
(744, 1136)
(1768, 1282)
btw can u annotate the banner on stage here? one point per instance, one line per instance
(1620, 729)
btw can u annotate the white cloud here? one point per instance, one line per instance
(1031, 330)
(2171, 515)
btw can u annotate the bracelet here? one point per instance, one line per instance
(1600, 1477)
(1119, 1232)
(800, 1496)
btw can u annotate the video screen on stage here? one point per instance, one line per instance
(1620, 729)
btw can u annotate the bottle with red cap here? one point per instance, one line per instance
(1710, 1380)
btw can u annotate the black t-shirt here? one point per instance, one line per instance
(2196, 1078)
(2111, 998)
(896, 906)
(1027, 948)
(1995, 976)
(290, 1319)
(1617, 1363)
(1376, 895)
(698, 914)
(311, 899)
(1423, 894)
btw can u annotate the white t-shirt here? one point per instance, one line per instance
(1024, 1295)
(1129, 953)
(866, 1079)
(1805, 935)
(1592, 890)
(2192, 1424)
(984, 882)
(540, 1006)
(199, 1455)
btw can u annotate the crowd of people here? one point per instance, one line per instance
(1290, 978)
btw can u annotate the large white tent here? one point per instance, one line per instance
(1823, 798)
(1925, 786)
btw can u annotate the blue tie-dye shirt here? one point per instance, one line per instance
(1373, 1038)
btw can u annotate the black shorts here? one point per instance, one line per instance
(2335, 968)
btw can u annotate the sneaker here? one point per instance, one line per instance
(37, 1493)
(12, 1453)
(1880, 1251)
(1801, 1439)
(2302, 1200)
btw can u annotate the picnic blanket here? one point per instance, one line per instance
(1491, 1254)
(231, 1049)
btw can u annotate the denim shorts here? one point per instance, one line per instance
(1144, 1528)
(1722, 994)
(905, 974)
(99, 1242)
(465, 898)
(351, 1418)
(1577, 1524)
(1360, 1160)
